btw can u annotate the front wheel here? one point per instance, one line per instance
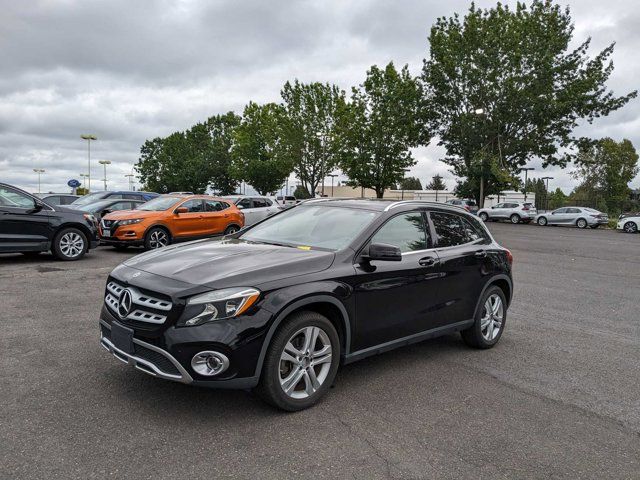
(542, 221)
(630, 227)
(490, 320)
(70, 244)
(581, 223)
(156, 237)
(483, 216)
(301, 362)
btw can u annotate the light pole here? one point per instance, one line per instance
(332, 175)
(84, 182)
(526, 171)
(130, 177)
(39, 171)
(322, 138)
(88, 138)
(546, 181)
(104, 163)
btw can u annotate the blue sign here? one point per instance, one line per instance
(73, 183)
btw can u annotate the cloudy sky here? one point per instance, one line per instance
(129, 70)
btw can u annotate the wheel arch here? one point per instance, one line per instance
(79, 226)
(325, 305)
(158, 225)
(503, 282)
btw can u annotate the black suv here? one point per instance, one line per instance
(280, 305)
(29, 225)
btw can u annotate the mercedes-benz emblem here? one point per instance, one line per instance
(124, 306)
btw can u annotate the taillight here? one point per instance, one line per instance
(509, 257)
(525, 208)
(466, 207)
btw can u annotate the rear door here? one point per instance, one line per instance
(22, 228)
(188, 224)
(250, 215)
(461, 245)
(397, 299)
(214, 217)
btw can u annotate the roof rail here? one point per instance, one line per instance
(421, 202)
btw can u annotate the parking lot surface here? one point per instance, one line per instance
(558, 397)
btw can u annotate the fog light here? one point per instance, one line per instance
(209, 363)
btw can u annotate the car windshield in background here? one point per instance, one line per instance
(159, 204)
(322, 227)
(97, 206)
(90, 198)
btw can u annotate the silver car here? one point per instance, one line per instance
(515, 212)
(581, 217)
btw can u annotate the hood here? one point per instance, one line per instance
(127, 214)
(229, 263)
(66, 209)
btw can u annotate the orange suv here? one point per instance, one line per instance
(170, 218)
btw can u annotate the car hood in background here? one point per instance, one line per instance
(230, 263)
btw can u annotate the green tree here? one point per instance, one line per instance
(605, 168)
(309, 135)
(221, 130)
(557, 199)
(410, 183)
(436, 183)
(260, 157)
(301, 193)
(378, 128)
(537, 187)
(505, 82)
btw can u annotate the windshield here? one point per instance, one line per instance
(97, 206)
(90, 198)
(323, 227)
(159, 204)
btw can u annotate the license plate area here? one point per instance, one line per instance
(106, 232)
(122, 338)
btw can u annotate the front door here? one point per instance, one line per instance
(188, 224)
(397, 299)
(22, 226)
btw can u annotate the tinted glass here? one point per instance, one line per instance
(55, 200)
(90, 198)
(268, 202)
(67, 200)
(452, 230)
(573, 210)
(120, 206)
(245, 203)
(407, 232)
(313, 226)
(193, 206)
(13, 198)
(214, 206)
(113, 196)
(500, 205)
(259, 203)
(132, 196)
(560, 210)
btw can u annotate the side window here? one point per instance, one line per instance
(259, 203)
(132, 196)
(115, 196)
(573, 210)
(245, 203)
(194, 206)
(407, 232)
(214, 206)
(55, 200)
(268, 202)
(15, 199)
(560, 210)
(500, 205)
(67, 200)
(120, 206)
(452, 230)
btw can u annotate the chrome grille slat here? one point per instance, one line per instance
(112, 300)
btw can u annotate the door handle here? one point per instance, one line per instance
(428, 261)
(480, 253)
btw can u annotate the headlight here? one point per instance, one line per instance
(129, 222)
(218, 305)
(89, 217)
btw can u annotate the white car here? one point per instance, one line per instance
(254, 209)
(285, 201)
(630, 224)
(515, 212)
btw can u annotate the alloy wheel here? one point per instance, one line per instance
(630, 227)
(71, 245)
(158, 239)
(582, 223)
(492, 315)
(542, 221)
(305, 362)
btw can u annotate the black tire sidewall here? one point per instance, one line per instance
(269, 388)
(484, 217)
(473, 335)
(515, 215)
(632, 230)
(55, 249)
(147, 237)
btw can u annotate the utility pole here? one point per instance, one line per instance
(104, 163)
(526, 171)
(130, 177)
(332, 175)
(84, 182)
(39, 171)
(546, 179)
(88, 138)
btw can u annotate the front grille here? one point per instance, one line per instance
(139, 307)
(159, 360)
(108, 223)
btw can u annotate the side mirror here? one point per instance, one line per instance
(492, 207)
(180, 210)
(240, 207)
(37, 206)
(384, 252)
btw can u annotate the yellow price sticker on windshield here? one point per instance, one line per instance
(304, 247)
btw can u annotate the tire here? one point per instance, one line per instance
(542, 221)
(630, 227)
(69, 244)
(231, 229)
(156, 237)
(581, 223)
(483, 216)
(483, 334)
(515, 218)
(276, 370)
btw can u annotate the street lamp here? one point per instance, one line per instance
(130, 177)
(84, 182)
(332, 175)
(104, 163)
(39, 171)
(526, 171)
(88, 138)
(546, 179)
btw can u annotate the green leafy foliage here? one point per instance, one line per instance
(301, 193)
(436, 183)
(410, 183)
(378, 128)
(517, 66)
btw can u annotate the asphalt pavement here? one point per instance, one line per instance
(558, 397)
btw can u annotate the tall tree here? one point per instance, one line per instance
(378, 129)
(436, 183)
(410, 183)
(311, 111)
(221, 130)
(260, 156)
(502, 85)
(605, 168)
